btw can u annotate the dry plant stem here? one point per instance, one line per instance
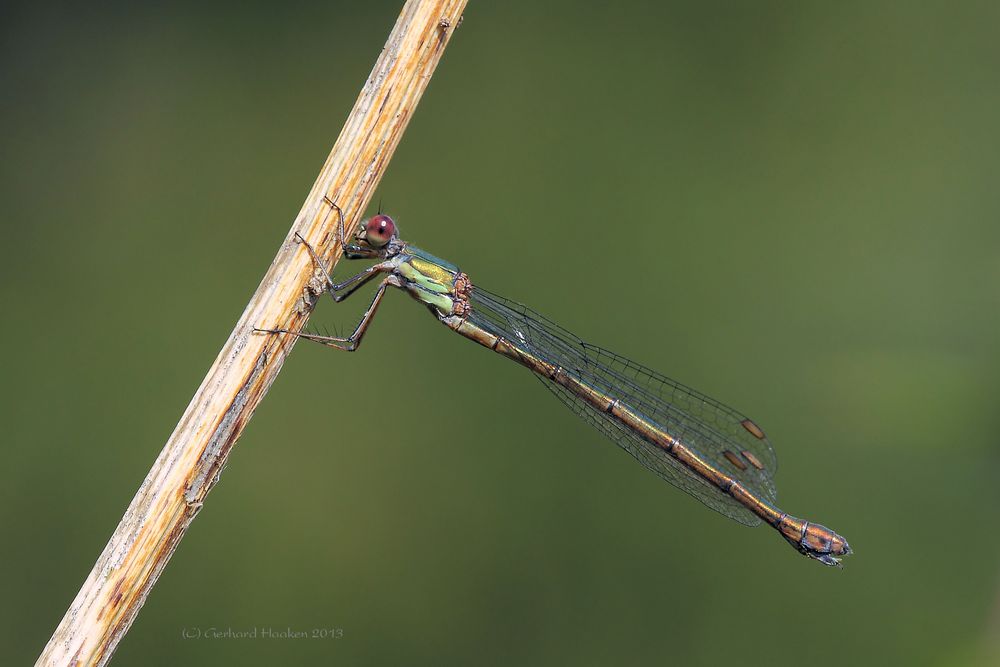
(190, 463)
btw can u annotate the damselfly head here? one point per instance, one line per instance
(377, 231)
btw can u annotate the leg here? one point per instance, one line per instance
(354, 282)
(349, 344)
(350, 251)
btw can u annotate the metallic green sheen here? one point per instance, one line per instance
(423, 254)
(429, 279)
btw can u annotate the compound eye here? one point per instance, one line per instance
(379, 230)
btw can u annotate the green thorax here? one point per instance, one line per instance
(428, 279)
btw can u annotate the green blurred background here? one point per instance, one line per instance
(790, 206)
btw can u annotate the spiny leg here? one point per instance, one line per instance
(350, 251)
(352, 342)
(353, 283)
(315, 259)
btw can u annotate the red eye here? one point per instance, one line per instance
(379, 230)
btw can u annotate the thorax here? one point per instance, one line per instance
(431, 280)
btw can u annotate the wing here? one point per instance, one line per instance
(720, 435)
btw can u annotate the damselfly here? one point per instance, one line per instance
(699, 445)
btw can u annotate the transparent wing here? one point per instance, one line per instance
(720, 435)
